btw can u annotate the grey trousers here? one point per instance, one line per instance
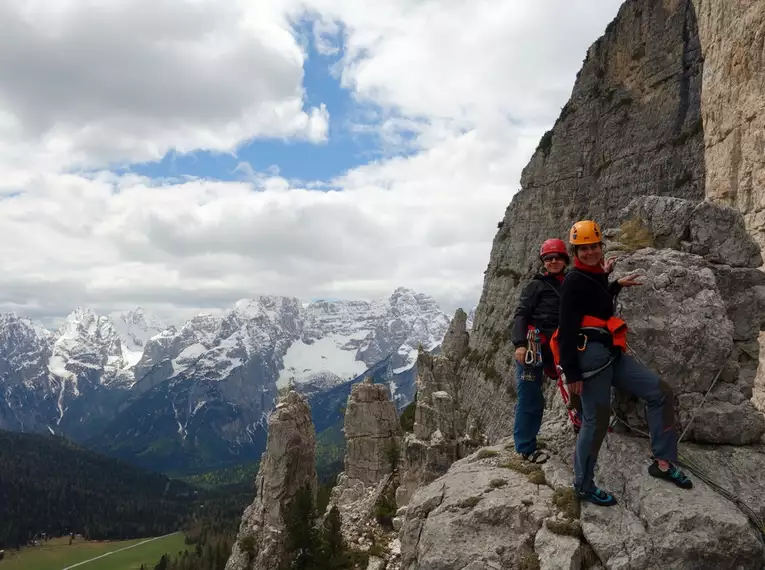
(626, 375)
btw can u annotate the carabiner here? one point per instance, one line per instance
(584, 346)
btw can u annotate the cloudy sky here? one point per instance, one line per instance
(183, 154)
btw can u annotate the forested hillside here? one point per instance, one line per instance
(48, 484)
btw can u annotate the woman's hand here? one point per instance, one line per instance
(629, 280)
(608, 265)
(520, 354)
(575, 387)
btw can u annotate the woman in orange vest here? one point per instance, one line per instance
(591, 345)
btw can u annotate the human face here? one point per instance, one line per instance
(554, 263)
(591, 254)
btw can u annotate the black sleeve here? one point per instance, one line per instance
(614, 289)
(522, 317)
(569, 323)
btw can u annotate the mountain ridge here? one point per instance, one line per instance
(205, 388)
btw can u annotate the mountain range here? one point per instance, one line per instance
(195, 397)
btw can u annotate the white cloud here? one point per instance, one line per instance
(475, 84)
(86, 83)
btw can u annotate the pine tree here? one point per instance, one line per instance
(333, 538)
(302, 536)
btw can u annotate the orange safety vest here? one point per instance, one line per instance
(614, 325)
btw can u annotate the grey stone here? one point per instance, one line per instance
(557, 552)
(288, 465)
(714, 231)
(657, 525)
(372, 430)
(456, 341)
(441, 432)
(680, 328)
(733, 107)
(453, 523)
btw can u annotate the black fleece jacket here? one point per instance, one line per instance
(538, 307)
(583, 293)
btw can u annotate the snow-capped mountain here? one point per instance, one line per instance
(135, 328)
(27, 390)
(342, 339)
(128, 385)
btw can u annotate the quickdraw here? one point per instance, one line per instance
(533, 348)
(533, 357)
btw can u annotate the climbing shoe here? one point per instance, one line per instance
(597, 497)
(537, 456)
(672, 474)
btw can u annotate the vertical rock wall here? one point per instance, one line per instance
(733, 107)
(288, 465)
(632, 127)
(372, 432)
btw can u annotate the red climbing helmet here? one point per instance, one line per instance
(553, 246)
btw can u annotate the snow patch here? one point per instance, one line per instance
(333, 353)
(57, 367)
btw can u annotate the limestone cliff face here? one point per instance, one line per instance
(733, 107)
(632, 127)
(288, 465)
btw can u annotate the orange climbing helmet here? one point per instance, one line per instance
(584, 232)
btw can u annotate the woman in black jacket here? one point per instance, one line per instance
(592, 351)
(537, 311)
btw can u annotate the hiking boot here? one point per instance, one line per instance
(597, 497)
(672, 474)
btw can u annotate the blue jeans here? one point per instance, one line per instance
(528, 409)
(626, 375)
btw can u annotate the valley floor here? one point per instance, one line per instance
(57, 554)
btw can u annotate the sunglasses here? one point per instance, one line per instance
(553, 257)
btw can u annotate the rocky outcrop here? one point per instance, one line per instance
(478, 515)
(372, 433)
(632, 127)
(286, 467)
(696, 319)
(490, 511)
(365, 491)
(441, 432)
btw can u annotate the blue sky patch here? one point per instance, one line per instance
(351, 142)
